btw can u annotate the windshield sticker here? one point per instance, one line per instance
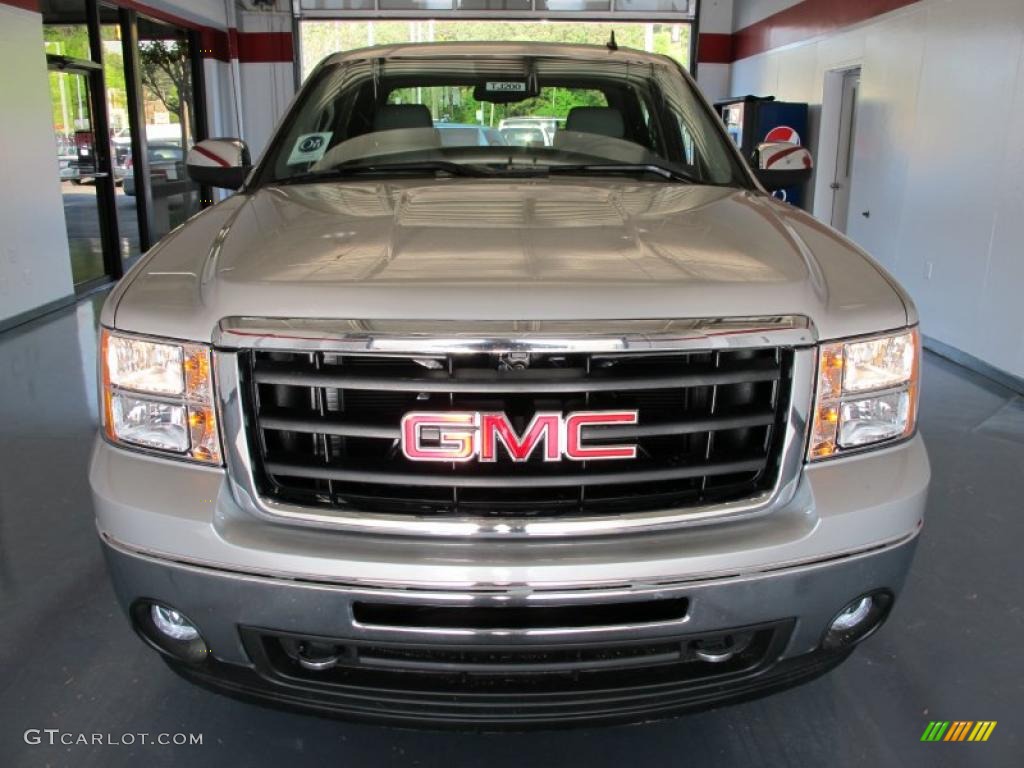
(506, 87)
(309, 147)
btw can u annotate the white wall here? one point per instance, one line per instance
(939, 158)
(220, 98)
(715, 18)
(267, 88)
(34, 264)
(209, 12)
(747, 12)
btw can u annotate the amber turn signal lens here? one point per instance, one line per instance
(203, 433)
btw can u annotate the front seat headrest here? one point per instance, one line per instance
(604, 121)
(391, 117)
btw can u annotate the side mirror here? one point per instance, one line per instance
(778, 164)
(219, 163)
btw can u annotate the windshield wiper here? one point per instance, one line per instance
(649, 168)
(369, 169)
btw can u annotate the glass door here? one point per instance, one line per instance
(128, 104)
(83, 141)
(116, 80)
(80, 172)
(169, 106)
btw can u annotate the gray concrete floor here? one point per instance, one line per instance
(68, 660)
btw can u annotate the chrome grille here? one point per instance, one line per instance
(324, 428)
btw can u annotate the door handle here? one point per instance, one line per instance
(835, 185)
(866, 214)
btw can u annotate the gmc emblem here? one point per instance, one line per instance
(465, 435)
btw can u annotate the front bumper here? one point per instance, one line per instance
(174, 534)
(185, 512)
(242, 618)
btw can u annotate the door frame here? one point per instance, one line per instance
(843, 168)
(828, 138)
(103, 179)
(127, 18)
(129, 22)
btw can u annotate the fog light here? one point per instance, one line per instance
(852, 615)
(172, 623)
(169, 631)
(859, 618)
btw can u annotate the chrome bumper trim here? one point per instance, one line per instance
(443, 337)
(499, 593)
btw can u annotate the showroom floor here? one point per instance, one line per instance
(69, 661)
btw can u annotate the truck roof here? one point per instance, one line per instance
(562, 50)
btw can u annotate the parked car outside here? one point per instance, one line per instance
(465, 134)
(67, 166)
(166, 163)
(522, 131)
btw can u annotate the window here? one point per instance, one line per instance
(319, 39)
(169, 103)
(457, 104)
(545, 112)
(100, 119)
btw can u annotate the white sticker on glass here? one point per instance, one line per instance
(506, 87)
(309, 147)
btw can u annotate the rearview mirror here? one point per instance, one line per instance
(504, 91)
(778, 164)
(219, 163)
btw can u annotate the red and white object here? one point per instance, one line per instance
(784, 157)
(782, 134)
(218, 153)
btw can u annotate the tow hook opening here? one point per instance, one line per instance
(717, 650)
(313, 656)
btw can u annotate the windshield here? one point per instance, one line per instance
(501, 114)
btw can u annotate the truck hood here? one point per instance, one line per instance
(545, 249)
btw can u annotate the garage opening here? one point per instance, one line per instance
(321, 38)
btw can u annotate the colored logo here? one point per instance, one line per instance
(783, 134)
(311, 144)
(466, 435)
(958, 730)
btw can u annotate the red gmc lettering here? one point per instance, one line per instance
(453, 436)
(461, 436)
(574, 425)
(495, 427)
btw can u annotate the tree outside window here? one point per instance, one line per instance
(165, 70)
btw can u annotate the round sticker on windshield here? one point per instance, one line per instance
(311, 143)
(309, 147)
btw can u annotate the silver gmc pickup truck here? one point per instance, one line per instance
(434, 422)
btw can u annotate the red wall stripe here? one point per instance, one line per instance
(247, 47)
(714, 48)
(213, 44)
(807, 19)
(25, 5)
(265, 47)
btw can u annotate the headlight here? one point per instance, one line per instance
(158, 395)
(866, 393)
